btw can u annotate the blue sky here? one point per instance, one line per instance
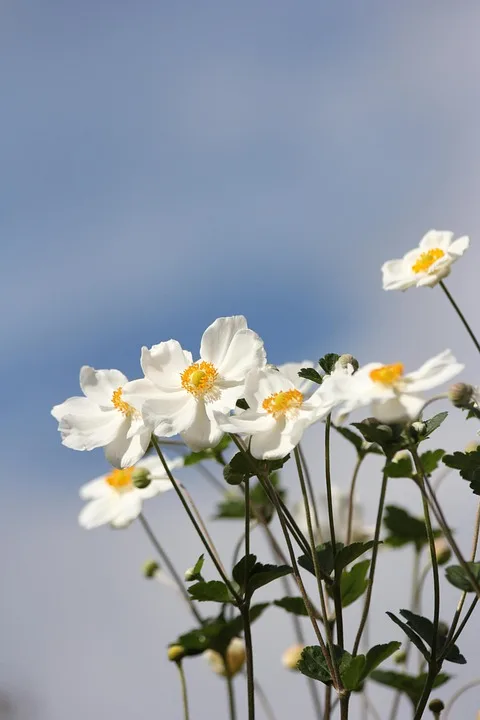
(164, 164)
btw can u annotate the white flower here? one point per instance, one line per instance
(291, 370)
(178, 395)
(340, 501)
(103, 419)
(115, 500)
(394, 396)
(277, 416)
(427, 264)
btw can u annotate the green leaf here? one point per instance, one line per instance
(311, 374)
(231, 507)
(210, 454)
(375, 433)
(325, 559)
(235, 627)
(404, 528)
(243, 569)
(434, 423)
(328, 362)
(424, 628)
(294, 605)
(349, 553)
(261, 575)
(214, 590)
(377, 654)
(240, 466)
(196, 571)
(353, 583)
(411, 634)
(401, 468)
(411, 685)
(457, 576)
(233, 504)
(352, 671)
(430, 459)
(361, 446)
(312, 663)
(469, 465)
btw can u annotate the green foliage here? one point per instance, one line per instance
(243, 466)
(433, 424)
(293, 605)
(232, 506)
(345, 554)
(257, 574)
(327, 362)
(195, 573)
(419, 628)
(311, 374)
(349, 553)
(210, 454)
(312, 663)
(411, 685)
(242, 570)
(404, 528)
(457, 576)
(401, 468)
(213, 590)
(430, 460)
(468, 463)
(353, 583)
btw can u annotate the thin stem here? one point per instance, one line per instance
(231, 694)
(183, 684)
(171, 568)
(247, 633)
(351, 498)
(344, 702)
(316, 565)
(461, 627)
(328, 702)
(201, 523)
(458, 694)
(212, 553)
(368, 597)
(331, 522)
(268, 710)
(460, 315)
(308, 480)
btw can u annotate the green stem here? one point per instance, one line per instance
(351, 498)
(371, 576)
(211, 552)
(171, 568)
(331, 522)
(460, 315)
(344, 702)
(183, 683)
(231, 694)
(308, 480)
(247, 633)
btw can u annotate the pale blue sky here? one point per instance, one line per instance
(164, 164)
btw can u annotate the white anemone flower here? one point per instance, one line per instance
(277, 416)
(427, 264)
(103, 419)
(114, 499)
(340, 502)
(178, 395)
(393, 395)
(291, 370)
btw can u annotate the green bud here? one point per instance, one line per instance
(141, 478)
(461, 395)
(436, 706)
(175, 653)
(345, 360)
(150, 569)
(418, 429)
(191, 575)
(234, 478)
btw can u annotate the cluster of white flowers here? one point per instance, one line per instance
(198, 399)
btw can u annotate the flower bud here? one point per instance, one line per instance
(400, 455)
(150, 569)
(175, 653)
(418, 429)
(141, 478)
(190, 575)
(235, 659)
(442, 551)
(291, 656)
(461, 395)
(345, 360)
(472, 446)
(436, 706)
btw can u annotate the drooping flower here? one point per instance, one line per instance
(278, 414)
(427, 264)
(393, 395)
(235, 658)
(114, 499)
(178, 395)
(103, 418)
(340, 503)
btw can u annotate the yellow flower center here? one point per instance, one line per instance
(387, 374)
(199, 379)
(121, 405)
(283, 403)
(120, 480)
(425, 261)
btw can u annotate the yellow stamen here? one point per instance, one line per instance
(425, 261)
(121, 405)
(283, 403)
(120, 480)
(199, 379)
(387, 374)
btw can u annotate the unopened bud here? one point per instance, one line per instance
(419, 428)
(461, 395)
(401, 455)
(175, 653)
(442, 551)
(141, 478)
(436, 706)
(150, 569)
(234, 659)
(345, 360)
(400, 657)
(291, 656)
(190, 575)
(472, 446)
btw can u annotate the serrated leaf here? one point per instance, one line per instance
(349, 553)
(352, 671)
(311, 374)
(434, 423)
(213, 590)
(377, 654)
(379, 434)
(325, 558)
(404, 528)
(261, 575)
(424, 628)
(411, 685)
(328, 362)
(402, 468)
(243, 569)
(361, 446)
(457, 576)
(293, 605)
(430, 460)
(411, 634)
(468, 463)
(312, 663)
(353, 583)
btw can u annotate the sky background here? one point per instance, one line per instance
(163, 164)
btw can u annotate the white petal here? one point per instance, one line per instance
(204, 432)
(436, 239)
(399, 409)
(438, 370)
(82, 432)
(128, 507)
(99, 385)
(76, 406)
(291, 370)
(272, 444)
(95, 489)
(156, 487)
(245, 352)
(123, 451)
(170, 414)
(247, 422)
(458, 247)
(218, 336)
(260, 384)
(137, 392)
(397, 275)
(164, 363)
(98, 512)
